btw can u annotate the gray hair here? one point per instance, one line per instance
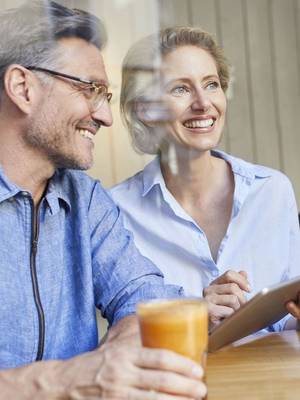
(29, 33)
(141, 78)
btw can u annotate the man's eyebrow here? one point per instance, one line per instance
(97, 80)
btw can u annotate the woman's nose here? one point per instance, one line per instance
(200, 101)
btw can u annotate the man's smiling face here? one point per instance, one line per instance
(63, 125)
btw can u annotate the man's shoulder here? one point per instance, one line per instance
(75, 176)
(78, 185)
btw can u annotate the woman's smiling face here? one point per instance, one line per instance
(194, 96)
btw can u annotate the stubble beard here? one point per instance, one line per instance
(54, 141)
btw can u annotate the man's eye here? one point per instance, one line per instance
(88, 91)
(212, 85)
(180, 90)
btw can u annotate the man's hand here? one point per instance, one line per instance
(141, 373)
(132, 371)
(226, 295)
(120, 369)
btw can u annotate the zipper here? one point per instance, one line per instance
(35, 286)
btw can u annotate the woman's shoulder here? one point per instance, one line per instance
(133, 184)
(257, 171)
(267, 180)
(139, 184)
(275, 182)
(274, 175)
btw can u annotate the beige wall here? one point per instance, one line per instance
(262, 40)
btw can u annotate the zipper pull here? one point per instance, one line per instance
(34, 245)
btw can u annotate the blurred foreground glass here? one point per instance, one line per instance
(178, 325)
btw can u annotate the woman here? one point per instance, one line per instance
(211, 222)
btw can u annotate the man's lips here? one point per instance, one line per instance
(92, 131)
(88, 131)
(202, 123)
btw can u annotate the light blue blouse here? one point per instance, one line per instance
(262, 238)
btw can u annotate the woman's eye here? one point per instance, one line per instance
(180, 90)
(212, 85)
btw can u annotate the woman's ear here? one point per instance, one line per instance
(19, 87)
(152, 112)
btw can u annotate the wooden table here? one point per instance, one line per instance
(266, 367)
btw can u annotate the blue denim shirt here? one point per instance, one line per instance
(85, 258)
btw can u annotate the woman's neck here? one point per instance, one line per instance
(196, 176)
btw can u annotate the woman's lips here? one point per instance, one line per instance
(199, 123)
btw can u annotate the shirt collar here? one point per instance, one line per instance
(245, 174)
(152, 176)
(152, 173)
(243, 168)
(55, 190)
(7, 188)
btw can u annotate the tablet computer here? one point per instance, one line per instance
(264, 309)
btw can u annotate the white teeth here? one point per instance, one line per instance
(86, 134)
(199, 123)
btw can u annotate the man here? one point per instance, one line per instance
(63, 246)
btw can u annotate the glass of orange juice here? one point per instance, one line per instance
(180, 325)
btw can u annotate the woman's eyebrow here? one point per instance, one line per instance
(213, 76)
(178, 79)
(185, 79)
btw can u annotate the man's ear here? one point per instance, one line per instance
(19, 87)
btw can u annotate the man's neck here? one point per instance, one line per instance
(26, 170)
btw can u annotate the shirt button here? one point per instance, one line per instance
(215, 273)
(25, 194)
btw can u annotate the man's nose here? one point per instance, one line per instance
(200, 101)
(103, 114)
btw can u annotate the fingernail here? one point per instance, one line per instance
(249, 288)
(200, 395)
(197, 371)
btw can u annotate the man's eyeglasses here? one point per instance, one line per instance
(95, 92)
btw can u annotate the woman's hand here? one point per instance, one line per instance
(226, 295)
(294, 309)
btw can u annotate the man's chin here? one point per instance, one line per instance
(68, 163)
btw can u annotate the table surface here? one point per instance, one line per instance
(266, 367)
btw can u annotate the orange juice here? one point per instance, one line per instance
(178, 325)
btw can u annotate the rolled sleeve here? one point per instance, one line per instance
(143, 289)
(122, 277)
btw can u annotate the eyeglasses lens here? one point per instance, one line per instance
(100, 94)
